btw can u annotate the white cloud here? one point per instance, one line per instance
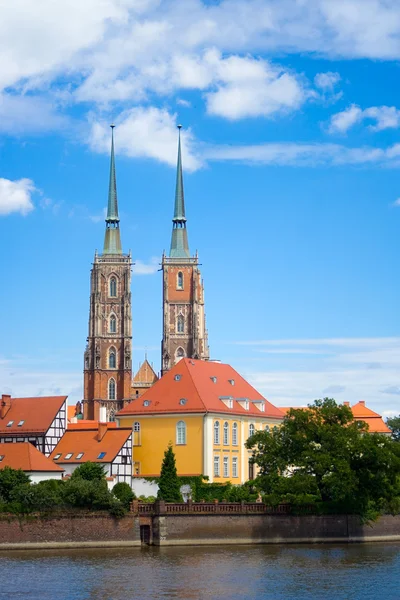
(384, 117)
(146, 268)
(183, 102)
(396, 203)
(348, 369)
(326, 81)
(146, 132)
(16, 196)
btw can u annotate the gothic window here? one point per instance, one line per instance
(179, 281)
(112, 359)
(180, 353)
(111, 389)
(216, 432)
(234, 434)
(180, 324)
(181, 432)
(113, 324)
(111, 416)
(251, 429)
(226, 433)
(113, 287)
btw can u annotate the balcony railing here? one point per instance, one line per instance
(228, 508)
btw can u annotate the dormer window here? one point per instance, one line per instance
(182, 401)
(10, 424)
(231, 381)
(246, 405)
(146, 402)
(227, 400)
(57, 456)
(177, 377)
(68, 456)
(260, 405)
(213, 379)
(79, 456)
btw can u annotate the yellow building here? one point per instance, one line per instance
(206, 410)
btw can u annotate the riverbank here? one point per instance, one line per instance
(94, 530)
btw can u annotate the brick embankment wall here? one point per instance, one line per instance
(89, 530)
(270, 529)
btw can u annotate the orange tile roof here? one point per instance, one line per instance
(36, 414)
(88, 424)
(145, 374)
(70, 412)
(201, 384)
(360, 413)
(86, 441)
(26, 457)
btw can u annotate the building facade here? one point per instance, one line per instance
(207, 411)
(107, 358)
(184, 323)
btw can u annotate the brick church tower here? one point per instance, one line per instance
(184, 323)
(107, 359)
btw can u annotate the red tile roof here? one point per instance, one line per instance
(202, 384)
(35, 414)
(86, 441)
(145, 375)
(26, 457)
(88, 424)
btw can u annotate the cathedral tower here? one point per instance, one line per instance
(107, 360)
(184, 325)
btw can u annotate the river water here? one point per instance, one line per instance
(331, 572)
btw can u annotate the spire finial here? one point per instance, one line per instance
(112, 240)
(179, 242)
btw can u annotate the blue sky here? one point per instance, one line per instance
(291, 154)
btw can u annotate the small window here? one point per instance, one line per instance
(180, 324)
(213, 379)
(111, 416)
(181, 432)
(234, 434)
(124, 460)
(1, 457)
(216, 432)
(102, 455)
(79, 456)
(231, 381)
(113, 324)
(146, 403)
(10, 424)
(21, 423)
(179, 281)
(136, 426)
(182, 401)
(113, 287)
(177, 377)
(216, 466)
(57, 456)
(226, 433)
(252, 429)
(68, 456)
(111, 389)
(234, 466)
(226, 466)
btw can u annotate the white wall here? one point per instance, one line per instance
(142, 487)
(36, 476)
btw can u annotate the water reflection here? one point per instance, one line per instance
(226, 572)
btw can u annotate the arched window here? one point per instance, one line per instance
(111, 389)
(180, 324)
(226, 433)
(113, 324)
(179, 281)
(180, 353)
(113, 287)
(136, 426)
(234, 434)
(252, 429)
(216, 432)
(112, 359)
(111, 416)
(180, 432)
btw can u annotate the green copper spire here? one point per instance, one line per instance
(179, 241)
(112, 239)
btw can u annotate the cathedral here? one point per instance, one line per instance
(108, 383)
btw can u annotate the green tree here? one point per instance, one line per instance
(169, 484)
(333, 456)
(394, 424)
(9, 479)
(85, 493)
(124, 493)
(90, 471)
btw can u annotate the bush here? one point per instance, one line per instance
(89, 471)
(124, 493)
(149, 499)
(83, 493)
(9, 479)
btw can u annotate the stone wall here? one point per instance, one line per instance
(71, 530)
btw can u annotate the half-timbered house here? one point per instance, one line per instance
(40, 421)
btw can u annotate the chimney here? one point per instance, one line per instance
(103, 414)
(362, 402)
(346, 403)
(101, 431)
(5, 405)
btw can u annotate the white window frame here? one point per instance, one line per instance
(234, 434)
(226, 434)
(217, 433)
(180, 433)
(252, 429)
(235, 467)
(226, 466)
(217, 466)
(114, 395)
